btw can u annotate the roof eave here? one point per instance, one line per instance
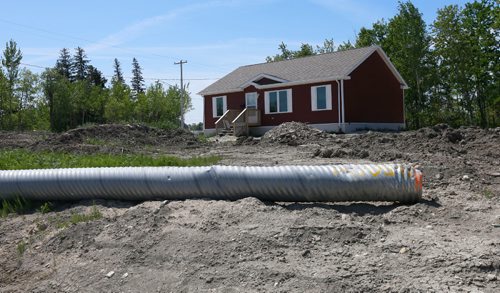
(276, 85)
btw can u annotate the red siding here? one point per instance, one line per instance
(373, 94)
(234, 101)
(301, 106)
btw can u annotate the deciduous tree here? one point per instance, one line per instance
(408, 45)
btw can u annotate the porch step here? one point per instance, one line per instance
(226, 131)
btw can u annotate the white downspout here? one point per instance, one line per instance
(338, 101)
(204, 121)
(343, 112)
(404, 109)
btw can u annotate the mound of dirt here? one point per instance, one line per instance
(473, 152)
(293, 133)
(116, 137)
(11, 139)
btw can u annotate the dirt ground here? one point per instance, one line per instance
(448, 242)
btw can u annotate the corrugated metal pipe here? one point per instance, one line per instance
(368, 182)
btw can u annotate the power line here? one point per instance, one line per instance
(31, 65)
(146, 78)
(142, 54)
(83, 39)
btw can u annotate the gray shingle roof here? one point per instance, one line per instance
(328, 66)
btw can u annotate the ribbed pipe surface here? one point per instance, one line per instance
(370, 182)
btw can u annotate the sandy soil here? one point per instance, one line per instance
(449, 241)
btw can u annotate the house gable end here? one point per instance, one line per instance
(262, 80)
(386, 60)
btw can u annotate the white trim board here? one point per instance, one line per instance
(314, 97)
(252, 80)
(214, 106)
(289, 108)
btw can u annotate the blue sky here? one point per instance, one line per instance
(214, 36)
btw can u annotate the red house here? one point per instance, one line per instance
(341, 91)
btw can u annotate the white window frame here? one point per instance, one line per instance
(314, 97)
(214, 105)
(247, 95)
(288, 101)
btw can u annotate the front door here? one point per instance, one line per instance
(251, 100)
(251, 103)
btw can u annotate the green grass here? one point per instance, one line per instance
(202, 138)
(45, 207)
(21, 205)
(488, 193)
(17, 205)
(22, 159)
(94, 214)
(21, 247)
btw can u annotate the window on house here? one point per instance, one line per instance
(278, 101)
(251, 100)
(321, 97)
(219, 106)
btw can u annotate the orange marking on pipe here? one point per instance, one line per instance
(418, 180)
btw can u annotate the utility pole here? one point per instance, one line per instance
(182, 92)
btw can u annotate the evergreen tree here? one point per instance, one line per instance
(80, 63)
(95, 77)
(137, 79)
(118, 75)
(12, 57)
(63, 64)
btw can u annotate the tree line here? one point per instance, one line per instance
(74, 93)
(451, 66)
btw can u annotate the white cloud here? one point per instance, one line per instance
(136, 29)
